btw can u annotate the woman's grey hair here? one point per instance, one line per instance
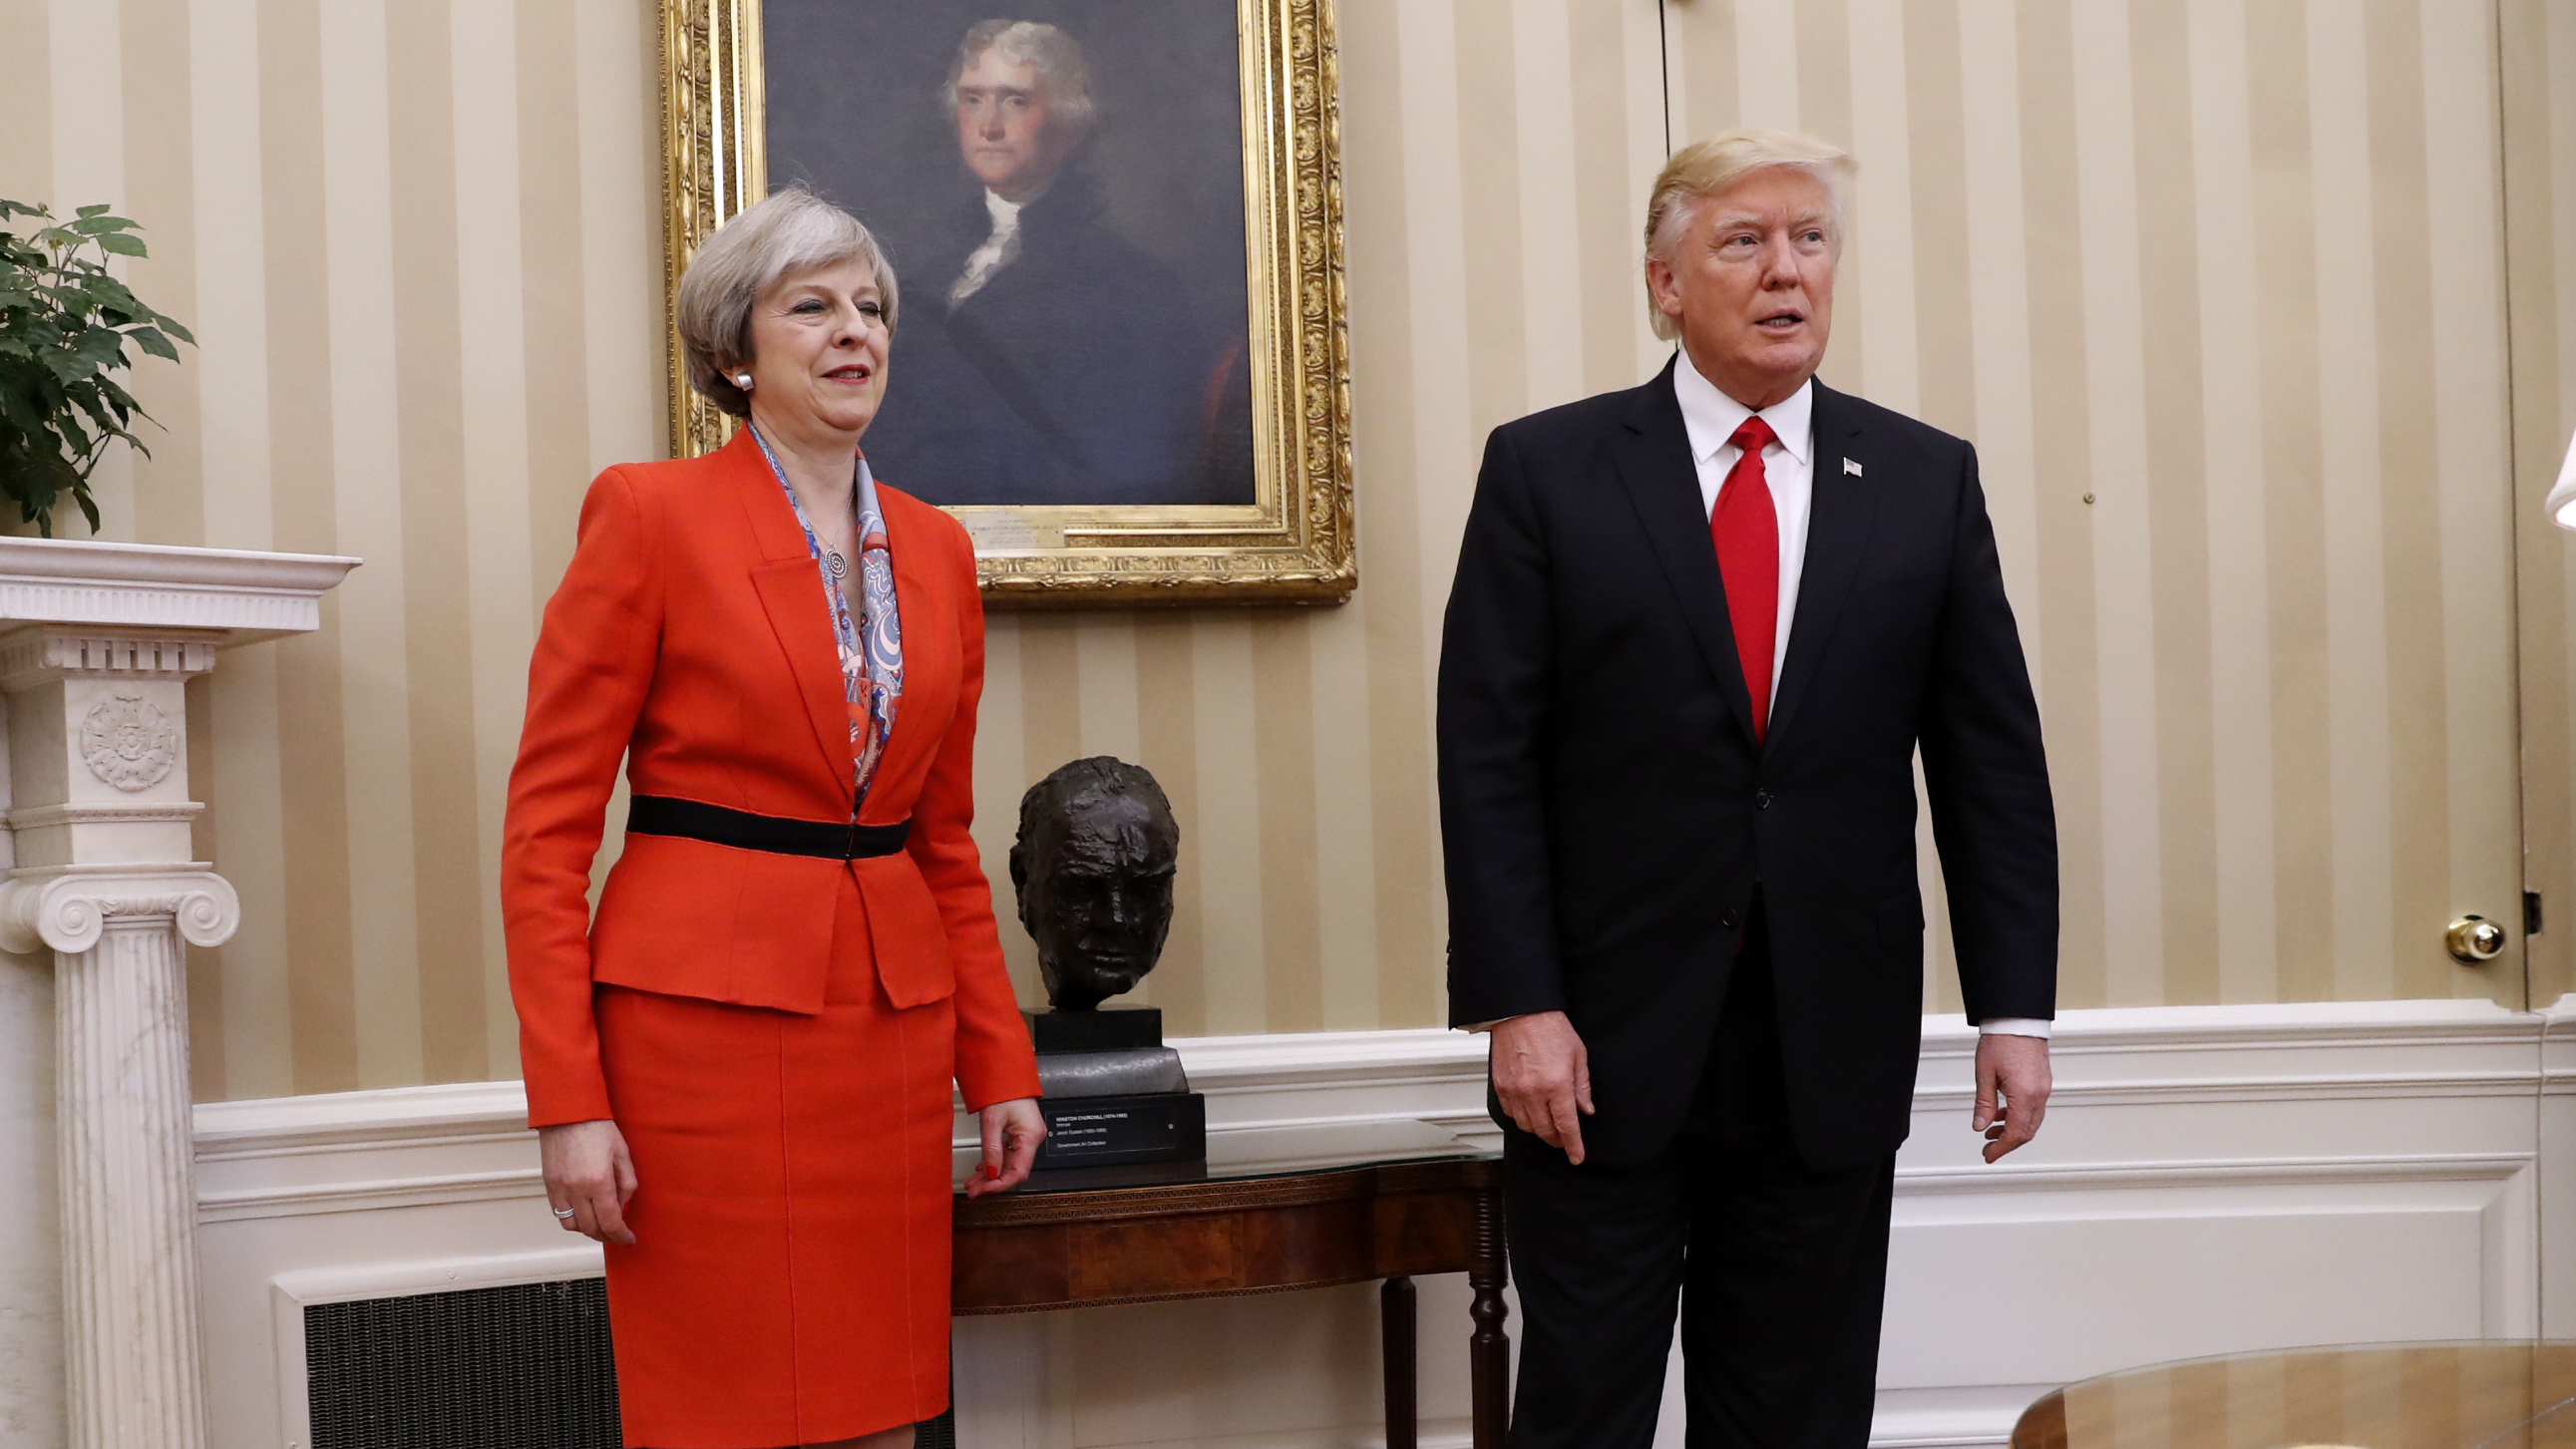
(789, 234)
(1700, 171)
(1061, 69)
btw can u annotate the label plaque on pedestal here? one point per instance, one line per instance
(1144, 1127)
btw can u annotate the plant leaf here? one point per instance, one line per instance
(90, 211)
(151, 340)
(122, 244)
(117, 397)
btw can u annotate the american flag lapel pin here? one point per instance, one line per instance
(1851, 467)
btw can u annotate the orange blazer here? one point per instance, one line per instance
(690, 635)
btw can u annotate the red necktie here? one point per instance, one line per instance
(1746, 530)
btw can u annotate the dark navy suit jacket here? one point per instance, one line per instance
(1607, 815)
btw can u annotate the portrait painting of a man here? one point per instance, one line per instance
(1061, 189)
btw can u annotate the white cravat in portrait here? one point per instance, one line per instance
(998, 251)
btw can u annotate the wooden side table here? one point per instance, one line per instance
(1031, 1251)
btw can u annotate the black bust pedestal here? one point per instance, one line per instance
(1106, 1029)
(1114, 1094)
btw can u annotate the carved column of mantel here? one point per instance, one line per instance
(97, 643)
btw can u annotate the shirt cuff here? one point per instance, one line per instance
(1485, 1025)
(2013, 1026)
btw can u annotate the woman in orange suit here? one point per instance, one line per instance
(739, 1070)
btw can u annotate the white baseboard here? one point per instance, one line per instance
(2210, 1179)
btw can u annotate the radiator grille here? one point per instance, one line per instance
(522, 1367)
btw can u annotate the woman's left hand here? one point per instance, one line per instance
(1012, 1132)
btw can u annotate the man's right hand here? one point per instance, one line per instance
(1543, 1078)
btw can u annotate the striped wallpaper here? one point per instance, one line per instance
(2218, 287)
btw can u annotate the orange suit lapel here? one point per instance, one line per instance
(791, 593)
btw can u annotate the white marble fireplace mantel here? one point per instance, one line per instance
(249, 596)
(98, 888)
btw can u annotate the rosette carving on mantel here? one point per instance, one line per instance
(128, 742)
(67, 911)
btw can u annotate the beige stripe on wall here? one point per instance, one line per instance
(2172, 256)
(2175, 467)
(394, 1028)
(2238, 612)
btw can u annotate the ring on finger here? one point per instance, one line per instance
(566, 1214)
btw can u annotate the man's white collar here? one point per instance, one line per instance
(1005, 211)
(1712, 417)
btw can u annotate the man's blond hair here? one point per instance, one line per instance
(1703, 170)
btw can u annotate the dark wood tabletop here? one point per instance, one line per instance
(1109, 1235)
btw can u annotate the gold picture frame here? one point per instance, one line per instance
(1293, 543)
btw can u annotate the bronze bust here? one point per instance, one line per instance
(1093, 871)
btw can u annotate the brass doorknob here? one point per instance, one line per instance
(2474, 940)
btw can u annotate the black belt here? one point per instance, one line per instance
(777, 834)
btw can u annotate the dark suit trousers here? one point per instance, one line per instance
(1781, 1271)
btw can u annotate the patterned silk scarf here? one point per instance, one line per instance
(871, 644)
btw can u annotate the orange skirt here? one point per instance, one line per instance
(789, 1279)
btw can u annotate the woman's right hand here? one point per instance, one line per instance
(588, 1170)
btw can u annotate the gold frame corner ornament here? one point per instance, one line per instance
(1294, 544)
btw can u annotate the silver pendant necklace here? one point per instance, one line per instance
(837, 566)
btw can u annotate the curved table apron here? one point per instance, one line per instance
(1033, 1251)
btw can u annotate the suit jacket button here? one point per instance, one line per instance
(1761, 799)
(1727, 920)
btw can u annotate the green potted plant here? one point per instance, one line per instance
(64, 326)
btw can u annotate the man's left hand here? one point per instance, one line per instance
(2012, 1090)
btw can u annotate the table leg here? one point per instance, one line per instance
(1489, 1351)
(1395, 1325)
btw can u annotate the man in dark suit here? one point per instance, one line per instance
(1699, 631)
(1058, 362)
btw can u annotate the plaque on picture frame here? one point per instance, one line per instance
(1121, 357)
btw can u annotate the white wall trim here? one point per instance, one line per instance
(2425, 1167)
(1249, 1079)
(354, 1282)
(2407, 1130)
